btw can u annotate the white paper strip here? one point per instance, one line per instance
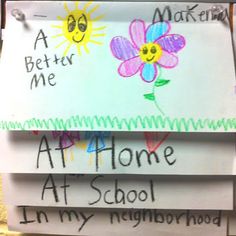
(189, 1)
(0, 25)
(232, 224)
(118, 152)
(75, 221)
(234, 27)
(71, 69)
(119, 191)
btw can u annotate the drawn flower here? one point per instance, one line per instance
(68, 138)
(150, 47)
(96, 138)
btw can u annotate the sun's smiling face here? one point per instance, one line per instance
(78, 27)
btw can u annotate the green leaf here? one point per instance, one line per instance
(161, 82)
(149, 96)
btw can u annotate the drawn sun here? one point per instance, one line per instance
(78, 27)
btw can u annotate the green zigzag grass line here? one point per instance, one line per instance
(114, 123)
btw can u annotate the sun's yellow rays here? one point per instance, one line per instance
(60, 18)
(95, 42)
(68, 156)
(79, 51)
(99, 28)
(91, 159)
(93, 10)
(86, 5)
(81, 144)
(98, 35)
(59, 45)
(57, 26)
(69, 153)
(98, 18)
(76, 5)
(79, 28)
(67, 48)
(86, 48)
(56, 36)
(66, 8)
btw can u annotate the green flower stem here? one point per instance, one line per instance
(155, 102)
(153, 91)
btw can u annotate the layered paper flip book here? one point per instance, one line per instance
(117, 66)
(74, 74)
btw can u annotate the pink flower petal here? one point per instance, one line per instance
(168, 60)
(130, 67)
(122, 48)
(137, 33)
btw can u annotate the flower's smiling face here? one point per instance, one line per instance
(150, 53)
(77, 27)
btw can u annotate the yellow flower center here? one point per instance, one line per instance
(150, 53)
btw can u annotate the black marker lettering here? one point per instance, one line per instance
(40, 36)
(190, 13)
(39, 216)
(165, 15)
(36, 79)
(189, 218)
(142, 196)
(85, 220)
(167, 153)
(72, 214)
(169, 218)
(51, 77)
(65, 186)
(158, 217)
(152, 191)
(148, 157)
(29, 64)
(119, 191)
(147, 213)
(137, 217)
(52, 187)
(56, 59)
(38, 62)
(105, 197)
(96, 189)
(112, 148)
(46, 149)
(70, 58)
(124, 215)
(46, 59)
(201, 15)
(200, 219)
(217, 220)
(132, 196)
(62, 61)
(128, 157)
(61, 148)
(25, 218)
(178, 16)
(207, 219)
(112, 214)
(69, 214)
(178, 217)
